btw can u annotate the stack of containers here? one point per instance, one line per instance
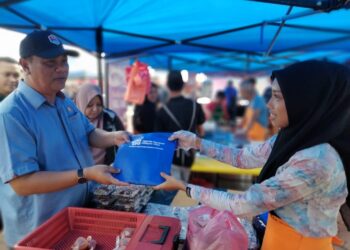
(131, 198)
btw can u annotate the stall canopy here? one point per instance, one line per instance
(198, 35)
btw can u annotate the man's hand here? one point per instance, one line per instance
(120, 137)
(186, 139)
(170, 184)
(103, 139)
(102, 175)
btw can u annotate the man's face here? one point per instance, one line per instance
(152, 96)
(9, 77)
(48, 76)
(247, 91)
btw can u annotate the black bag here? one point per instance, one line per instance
(182, 157)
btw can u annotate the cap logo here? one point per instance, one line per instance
(53, 39)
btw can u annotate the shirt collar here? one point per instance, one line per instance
(179, 97)
(34, 97)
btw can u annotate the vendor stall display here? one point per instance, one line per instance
(109, 229)
(182, 213)
(131, 198)
(209, 228)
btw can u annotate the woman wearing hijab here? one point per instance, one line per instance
(306, 166)
(89, 101)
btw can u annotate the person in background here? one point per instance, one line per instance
(71, 90)
(89, 101)
(9, 76)
(180, 113)
(145, 114)
(231, 101)
(267, 94)
(163, 94)
(255, 120)
(45, 160)
(306, 167)
(218, 109)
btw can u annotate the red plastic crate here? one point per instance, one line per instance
(60, 231)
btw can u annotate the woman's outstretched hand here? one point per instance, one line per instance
(170, 183)
(186, 139)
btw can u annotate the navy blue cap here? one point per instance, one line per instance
(43, 44)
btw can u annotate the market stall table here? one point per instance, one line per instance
(204, 164)
(208, 165)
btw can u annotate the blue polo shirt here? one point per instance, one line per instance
(38, 136)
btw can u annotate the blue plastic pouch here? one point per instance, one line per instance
(144, 157)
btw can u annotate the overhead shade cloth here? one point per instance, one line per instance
(203, 35)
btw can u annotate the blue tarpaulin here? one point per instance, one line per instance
(199, 35)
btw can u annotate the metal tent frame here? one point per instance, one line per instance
(267, 60)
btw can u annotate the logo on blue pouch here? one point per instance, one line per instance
(137, 142)
(150, 143)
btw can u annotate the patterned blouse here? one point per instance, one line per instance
(306, 192)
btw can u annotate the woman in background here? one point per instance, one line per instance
(254, 125)
(89, 101)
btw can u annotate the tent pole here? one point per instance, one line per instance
(99, 49)
(99, 72)
(274, 39)
(106, 83)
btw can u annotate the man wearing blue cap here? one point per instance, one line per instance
(45, 160)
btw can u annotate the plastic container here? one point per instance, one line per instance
(60, 231)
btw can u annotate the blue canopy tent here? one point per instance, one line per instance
(198, 35)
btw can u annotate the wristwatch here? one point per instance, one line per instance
(188, 191)
(81, 177)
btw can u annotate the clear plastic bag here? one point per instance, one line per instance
(211, 229)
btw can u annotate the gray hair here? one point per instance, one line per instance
(8, 60)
